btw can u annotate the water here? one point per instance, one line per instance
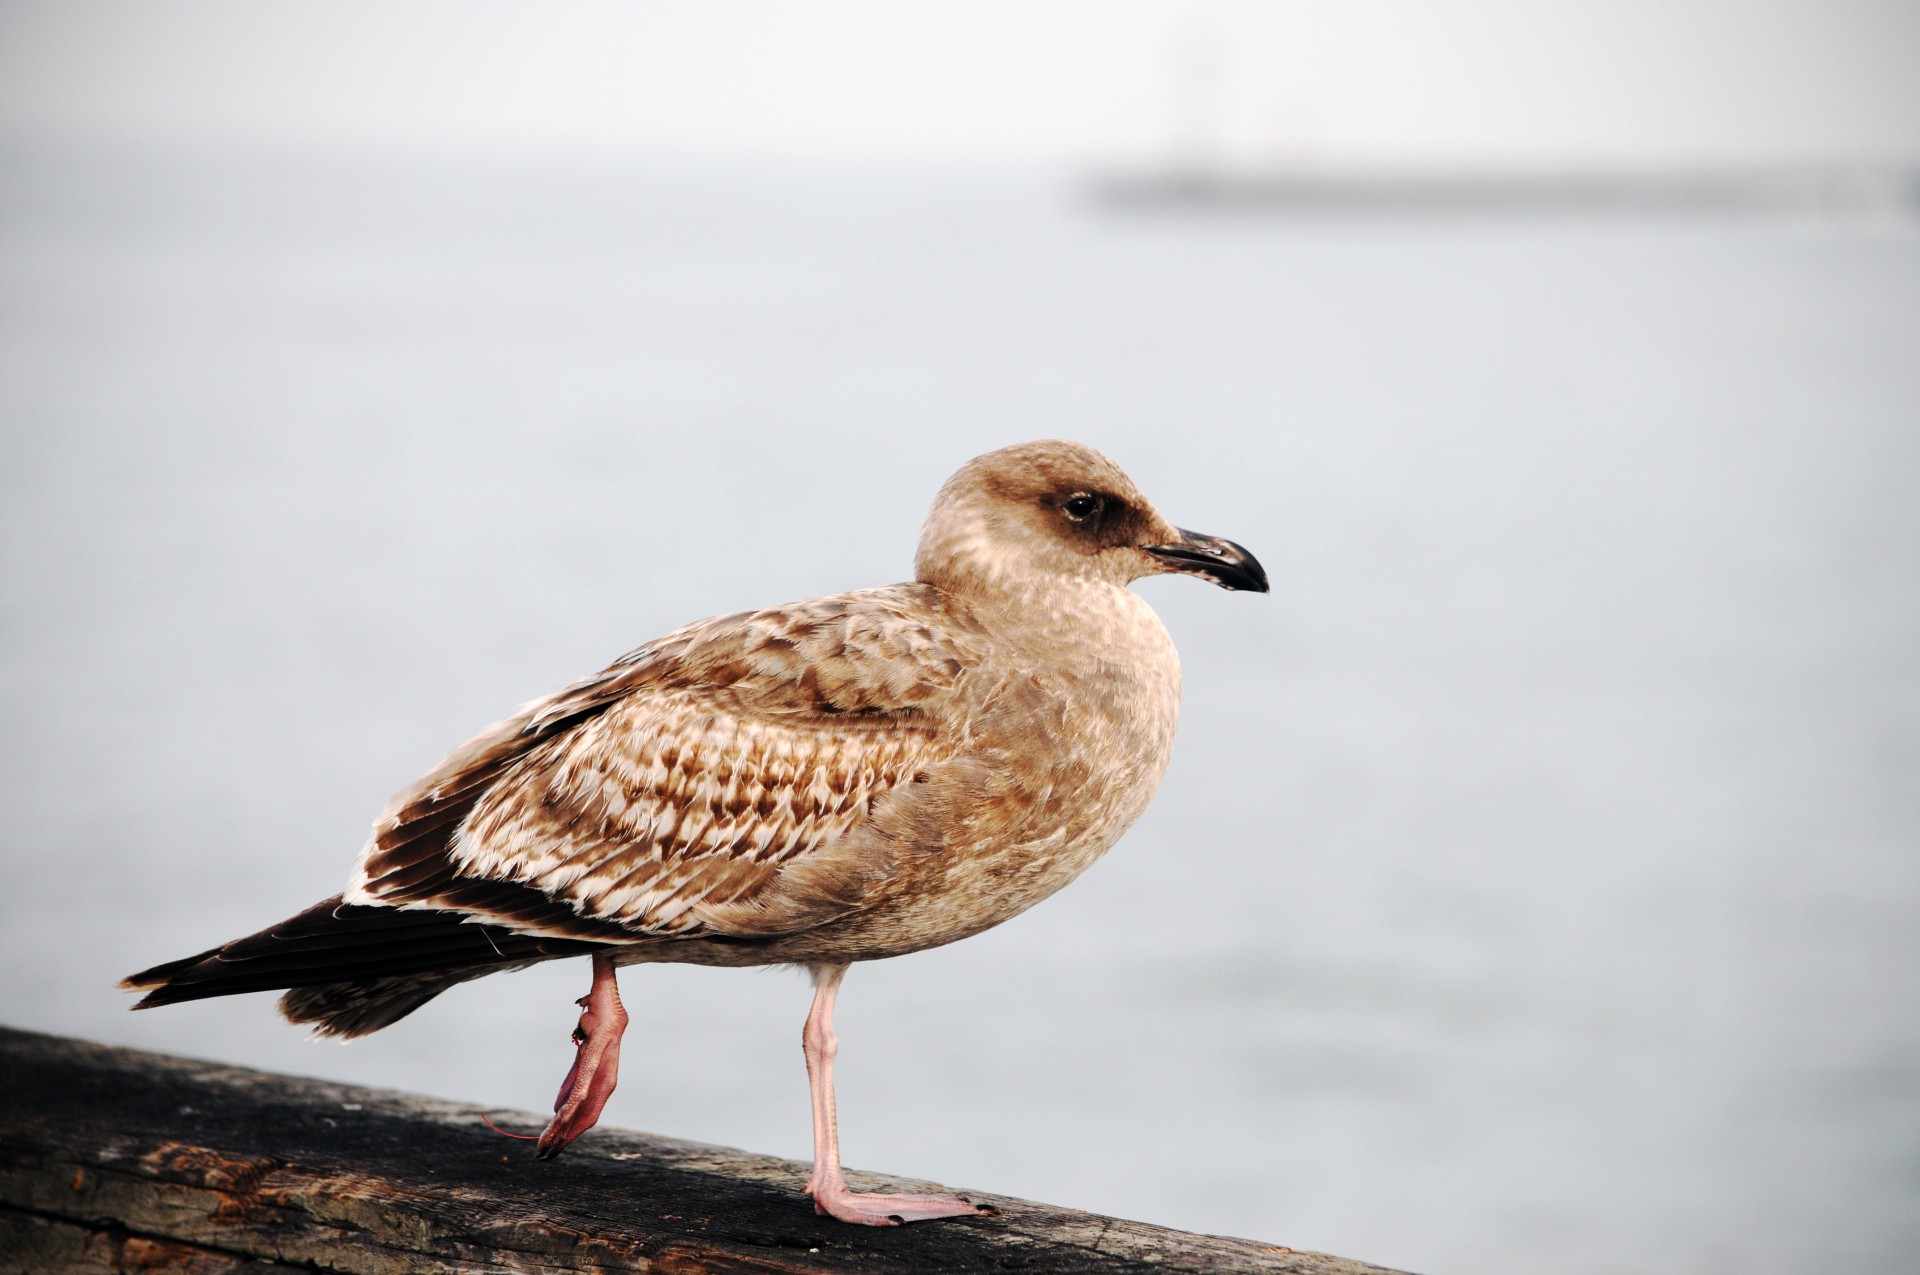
(1534, 887)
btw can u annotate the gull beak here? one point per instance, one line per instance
(1210, 557)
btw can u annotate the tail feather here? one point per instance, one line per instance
(351, 968)
(366, 1005)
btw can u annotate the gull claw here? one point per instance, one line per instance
(879, 1209)
(596, 1064)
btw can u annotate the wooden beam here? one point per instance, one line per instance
(119, 1160)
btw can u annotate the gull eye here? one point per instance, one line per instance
(1083, 506)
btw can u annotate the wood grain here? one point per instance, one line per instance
(117, 1160)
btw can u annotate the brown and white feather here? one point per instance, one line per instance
(849, 778)
(686, 790)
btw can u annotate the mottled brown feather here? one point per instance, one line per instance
(689, 788)
(849, 778)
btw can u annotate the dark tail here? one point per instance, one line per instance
(350, 969)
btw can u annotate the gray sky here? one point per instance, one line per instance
(985, 80)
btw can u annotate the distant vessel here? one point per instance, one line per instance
(1846, 192)
(1201, 173)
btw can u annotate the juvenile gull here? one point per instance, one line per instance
(844, 779)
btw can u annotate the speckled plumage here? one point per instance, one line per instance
(853, 777)
(843, 779)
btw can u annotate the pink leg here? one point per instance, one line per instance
(829, 1191)
(596, 1064)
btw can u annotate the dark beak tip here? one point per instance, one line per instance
(1216, 559)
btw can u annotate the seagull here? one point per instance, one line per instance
(844, 779)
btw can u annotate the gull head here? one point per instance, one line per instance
(1018, 518)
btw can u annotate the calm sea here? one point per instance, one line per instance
(1537, 884)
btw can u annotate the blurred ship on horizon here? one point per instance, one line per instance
(1214, 163)
(1850, 192)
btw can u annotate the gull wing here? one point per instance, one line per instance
(708, 784)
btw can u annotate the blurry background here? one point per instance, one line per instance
(1535, 886)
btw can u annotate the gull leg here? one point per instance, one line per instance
(596, 1064)
(829, 1191)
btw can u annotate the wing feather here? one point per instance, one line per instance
(700, 786)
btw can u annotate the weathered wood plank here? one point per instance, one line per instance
(118, 1160)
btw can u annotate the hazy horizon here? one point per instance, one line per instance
(1373, 82)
